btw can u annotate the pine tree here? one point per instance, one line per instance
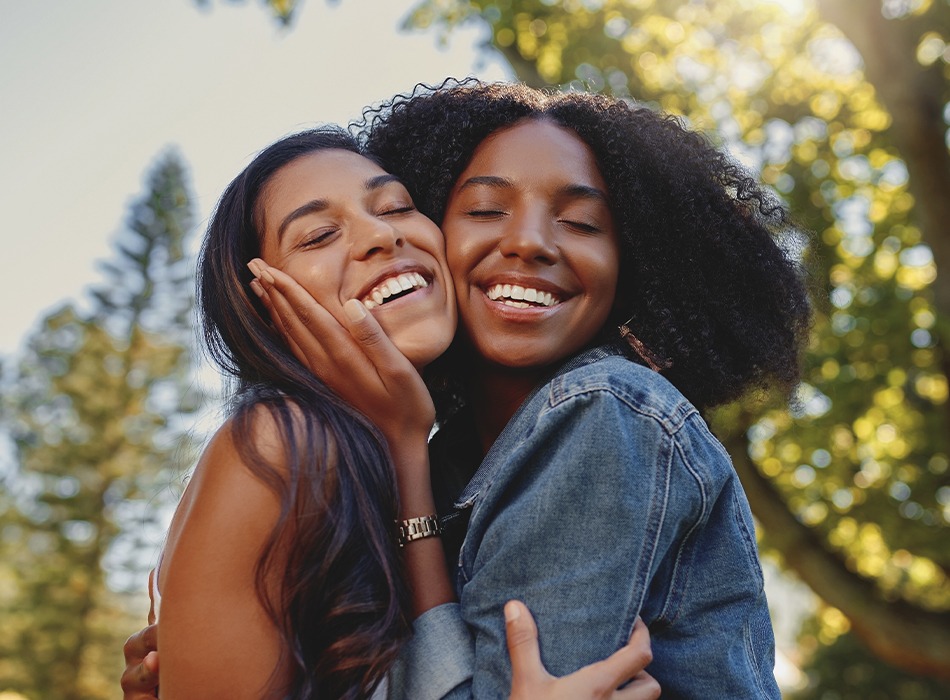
(98, 410)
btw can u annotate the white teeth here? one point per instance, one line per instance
(507, 293)
(394, 285)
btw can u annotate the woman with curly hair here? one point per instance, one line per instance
(614, 274)
(284, 542)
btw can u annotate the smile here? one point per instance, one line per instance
(393, 288)
(521, 297)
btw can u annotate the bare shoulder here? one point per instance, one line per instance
(208, 578)
(227, 495)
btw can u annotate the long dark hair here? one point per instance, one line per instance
(706, 281)
(342, 606)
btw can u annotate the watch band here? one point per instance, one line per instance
(417, 529)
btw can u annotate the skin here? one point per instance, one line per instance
(530, 209)
(341, 226)
(549, 232)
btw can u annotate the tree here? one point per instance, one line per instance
(96, 410)
(850, 486)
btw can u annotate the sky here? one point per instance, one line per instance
(91, 93)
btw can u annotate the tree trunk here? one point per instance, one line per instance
(914, 96)
(897, 632)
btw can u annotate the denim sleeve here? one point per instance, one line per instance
(437, 662)
(574, 524)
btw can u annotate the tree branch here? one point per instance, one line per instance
(898, 632)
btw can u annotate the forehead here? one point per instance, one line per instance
(331, 167)
(536, 150)
(327, 174)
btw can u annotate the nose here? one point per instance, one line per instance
(529, 236)
(373, 235)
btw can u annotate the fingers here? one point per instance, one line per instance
(141, 643)
(627, 662)
(642, 687)
(140, 678)
(298, 317)
(319, 335)
(522, 634)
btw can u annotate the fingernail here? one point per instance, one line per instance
(354, 310)
(265, 274)
(254, 267)
(257, 288)
(512, 611)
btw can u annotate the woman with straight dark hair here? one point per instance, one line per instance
(283, 543)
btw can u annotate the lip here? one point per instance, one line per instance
(398, 268)
(527, 314)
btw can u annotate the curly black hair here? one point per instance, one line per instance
(704, 280)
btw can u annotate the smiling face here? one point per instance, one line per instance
(345, 229)
(531, 245)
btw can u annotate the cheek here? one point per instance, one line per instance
(604, 272)
(318, 280)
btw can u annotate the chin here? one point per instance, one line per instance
(423, 352)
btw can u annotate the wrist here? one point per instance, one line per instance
(417, 528)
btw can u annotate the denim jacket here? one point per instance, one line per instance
(605, 497)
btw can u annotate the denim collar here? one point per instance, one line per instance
(515, 428)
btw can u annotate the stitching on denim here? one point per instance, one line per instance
(675, 585)
(752, 659)
(656, 539)
(751, 548)
(672, 419)
(655, 522)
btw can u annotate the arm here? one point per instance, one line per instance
(354, 357)
(615, 500)
(207, 579)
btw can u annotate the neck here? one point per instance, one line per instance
(495, 394)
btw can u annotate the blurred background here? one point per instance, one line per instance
(121, 121)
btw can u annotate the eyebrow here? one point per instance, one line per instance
(575, 191)
(315, 206)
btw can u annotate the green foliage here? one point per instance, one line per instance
(861, 458)
(95, 409)
(844, 671)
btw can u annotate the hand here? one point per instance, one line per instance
(140, 678)
(598, 681)
(352, 355)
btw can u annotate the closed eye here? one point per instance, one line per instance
(485, 213)
(580, 226)
(318, 238)
(399, 209)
